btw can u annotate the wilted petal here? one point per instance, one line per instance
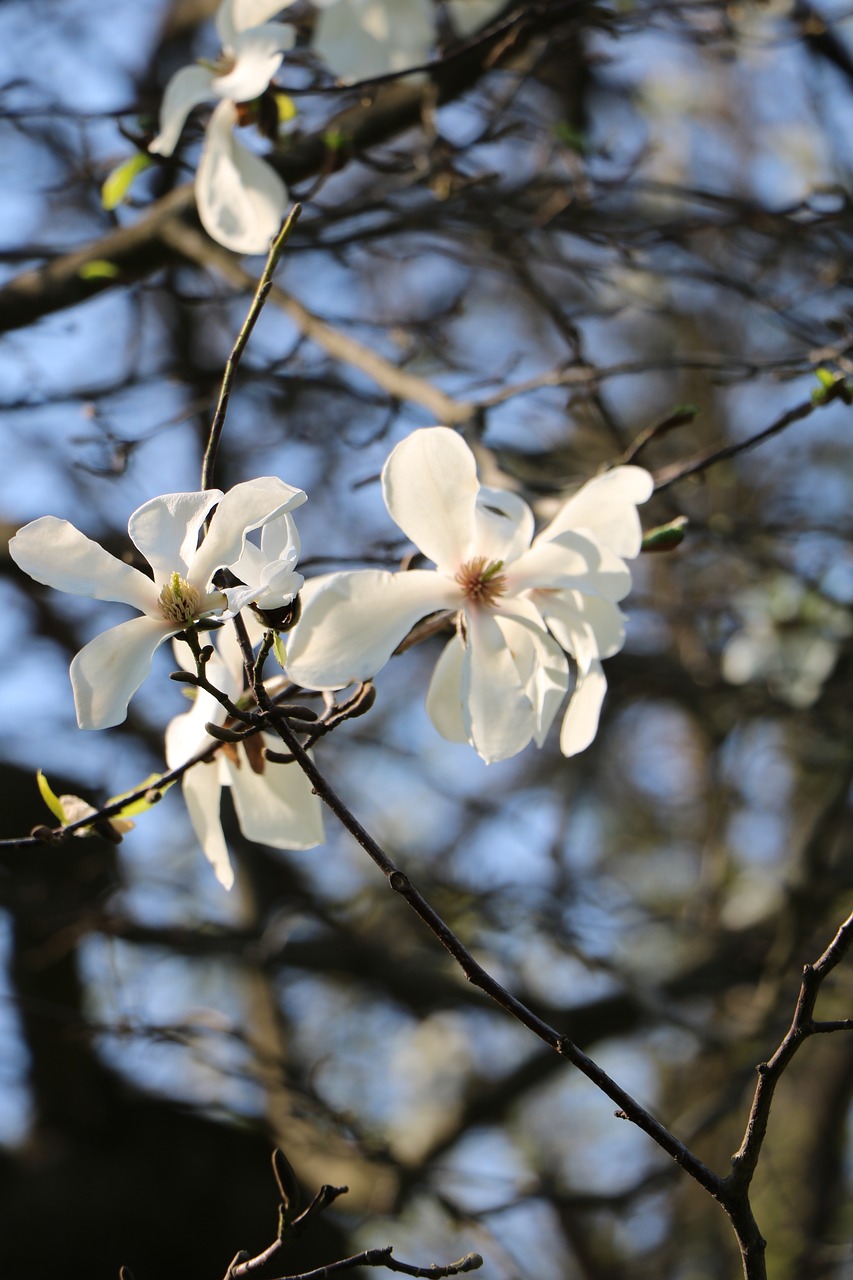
(352, 622)
(241, 200)
(580, 723)
(430, 487)
(187, 88)
(240, 510)
(259, 53)
(166, 530)
(444, 696)
(277, 807)
(106, 673)
(202, 794)
(504, 525)
(498, 710)
(56, 554)
(606, 507)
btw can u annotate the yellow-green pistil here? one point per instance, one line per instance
(481, 581)
(179, 602)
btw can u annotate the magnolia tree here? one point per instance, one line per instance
(427, 378)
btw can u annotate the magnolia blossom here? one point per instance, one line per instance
(271, 568)
(107, 672)
(274, 802)
(358, 39)
(521, 602)
(241, 200)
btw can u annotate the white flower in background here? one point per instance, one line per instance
(271, 568)
(470, 15)
(519, 601)
(358, 39)
(274, 802)
(241, 199)
(109, 669)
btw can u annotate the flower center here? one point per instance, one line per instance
(179, 602)
(481, 581)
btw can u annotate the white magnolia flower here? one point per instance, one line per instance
(274, 802)
(519, 601)
(241, 199)
(109, 669)
(271, 568)
(358, 39)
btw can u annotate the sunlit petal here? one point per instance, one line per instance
(166, 530)
(540, 662)
(352, 622)
(430, 487)
(187, 88)
(498, 711)
(240, 510)
(570, 560)
(56, 554)
(241, 199)
(580, 723)
(606, 507)
(586, 626)
(106, 673)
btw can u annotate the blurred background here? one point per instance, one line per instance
(602, 220)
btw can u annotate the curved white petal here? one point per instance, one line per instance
(430, 488)
(539, 660)
(352, 622)
(166, 530)
(570, 560)
(498, 711)
(55, 553)
(606, 507)
(240, 510)
(277, 807)
(363, 38)
(444, 695)
(234, 16)
(241, 200)
(580, 723)
(187, 88)
(258, 55)
(503, 523)
(280, 538)
(202, 794)
(586, 626)
(106, 673)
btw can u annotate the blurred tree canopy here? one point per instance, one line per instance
(586, 233)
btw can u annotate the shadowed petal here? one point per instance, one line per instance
(277, 807)
(430, 487)
(56, 554)
(166, 530)
(580, 723)
(444, 696)
(499, 713)
(106, 673)
(241, 200)
(352, 622)
(586, 626)
(504, 525)
(202, 794)
(540, 662)
(187, 88)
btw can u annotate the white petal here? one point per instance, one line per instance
(504, 525)
(280, 538)
(277, 807)
(444, 696)
(258, 57)
(106, 673)
(241, 200)
(580, 723)
(240, 510)
(352, 622)
(540, 662)
(187, 89)
(202, 793)
(55, 553)
(359, 39)
(570, 560)
(499, 713)
(234, 16)
(606, 507)
(430, 487)
(166, 530)
(586, 626)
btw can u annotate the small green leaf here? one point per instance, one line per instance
(52, 801)
(286, 107)
(666, 537)
(279, 650)
(571, 137)
(98, 269)
(119, 182)
(335, 140)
